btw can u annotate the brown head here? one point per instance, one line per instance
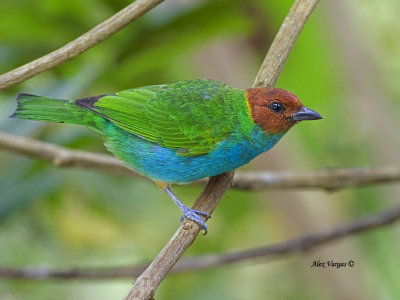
(277, 110)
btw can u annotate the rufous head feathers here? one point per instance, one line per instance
(277, 110)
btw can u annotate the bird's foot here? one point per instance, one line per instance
(195, 215)
(192, 214)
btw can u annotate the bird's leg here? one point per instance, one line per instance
(192, 214)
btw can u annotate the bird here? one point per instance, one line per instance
(179, 132)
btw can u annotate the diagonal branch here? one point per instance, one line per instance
(79, 45)
(284, 42)
(330, 179)
(146, 284)
(302, 244)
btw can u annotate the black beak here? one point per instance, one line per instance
(305, 113)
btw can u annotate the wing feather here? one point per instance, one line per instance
(191, 117)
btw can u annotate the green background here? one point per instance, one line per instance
(345, 65)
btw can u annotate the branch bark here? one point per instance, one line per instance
(302, 244)
(329, 179)
(63, 157)
(332, 179)
(146, 284)
(79, 45)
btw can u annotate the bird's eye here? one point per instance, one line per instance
(276, 107)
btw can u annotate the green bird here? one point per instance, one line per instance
(182, 131)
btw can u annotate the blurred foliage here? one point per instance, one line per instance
(76, 218)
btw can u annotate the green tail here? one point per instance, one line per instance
(40, 108)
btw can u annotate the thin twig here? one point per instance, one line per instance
(63, 157)
(329, 179)
(302, 244)
(146, 284)
(79, 45)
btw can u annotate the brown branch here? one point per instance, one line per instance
(146, 284)
(302, 244)
(79, 45)
(329, 179)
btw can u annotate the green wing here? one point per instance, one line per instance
(189, 116)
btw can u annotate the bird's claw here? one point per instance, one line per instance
(192, 214)
(195, 215)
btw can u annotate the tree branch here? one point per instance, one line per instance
(332, 179)
(79, 45)
(329, 179)
(63, 157)
(283, 43)
(302, 244)
(147, 283)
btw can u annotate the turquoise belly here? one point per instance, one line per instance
(164, 164)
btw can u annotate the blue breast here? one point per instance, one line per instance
(164, 164)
